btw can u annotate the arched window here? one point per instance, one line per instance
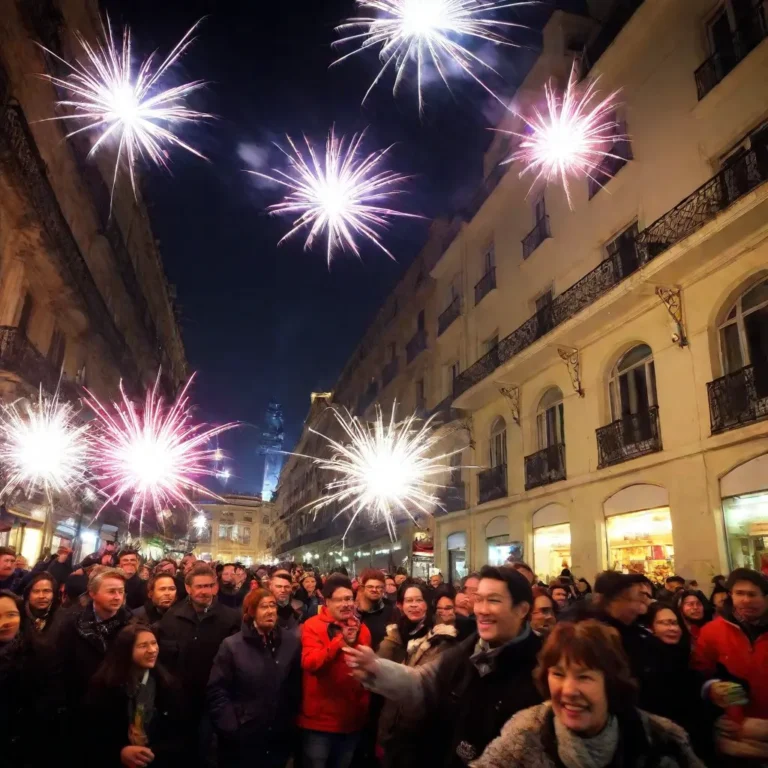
(744, 333)
(550, 425)
(499, 442)
(633, 383)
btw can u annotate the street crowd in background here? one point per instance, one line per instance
(115, 661)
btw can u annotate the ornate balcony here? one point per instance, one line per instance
(752, 30)
(631, 436)
(492, 483)
(485, 285)
(389, 371)
(736, 179)
(545, 466)
(738, 398)
(416, 345)
(452, 499)
(536, 236)
(449, 315)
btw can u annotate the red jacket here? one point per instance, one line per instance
(332, 700)
(724, 642)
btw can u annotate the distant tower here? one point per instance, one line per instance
(271, 445)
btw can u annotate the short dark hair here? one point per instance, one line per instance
(473, 575)
(401, 571)
(199, 569)
(412, 584)
(610, 584)
(595, 646)
(42, 576)
(371, 574)
(747, 574)
(678, 579)
(228, 565)
(282, 575)
(336, 581)
(519, 565)
(155, 577)
(517, 585)
(6, 551)
(128, 551)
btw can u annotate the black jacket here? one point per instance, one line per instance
(189, 642)
(233, 599)
(149, 613)
(377, 620)
(254, 694)
(135, 592)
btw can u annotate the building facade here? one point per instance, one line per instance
(84, 301)
(272, 438)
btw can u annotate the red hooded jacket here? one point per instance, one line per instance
(332, 700)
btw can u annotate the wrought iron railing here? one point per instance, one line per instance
(751, 31)
(627, 438)
(389, 371)
(536, 236)
(738, 177)
(452, 499)
(738, 398)
(445, 318)
(485, 285)
(545, 466)
(492, 483)
(416, 345)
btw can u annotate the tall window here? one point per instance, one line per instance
(489, 259)
(455, 462)
(623, 250)
(491, 343)
(420, 321)
(540, 209)
(451, 374)
(633, 383)
(499, 443)
(550, 424)
(421, 400)
(744, 334)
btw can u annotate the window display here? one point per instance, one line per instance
(746, 529)
(501, 549)
(641, 542)
(551, 550)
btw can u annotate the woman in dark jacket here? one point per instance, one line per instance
(135, 705)
(690, 605)
(310, 595)
(254, 691)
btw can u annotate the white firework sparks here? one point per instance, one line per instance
(43, 446)
(340, 195)
(384, 468)
(422, 31)
(130, 107)
(572, 138)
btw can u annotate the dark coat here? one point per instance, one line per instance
(149, 613)
(108, 724)
(135, 592)
(377, 620)
(188, 644)
(233, 599)
(254, 695)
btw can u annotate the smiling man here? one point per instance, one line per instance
(475, 688)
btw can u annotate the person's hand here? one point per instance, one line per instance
(361, 661)
(136, 757)
(350, 632)
(726, 695)
(727, 727)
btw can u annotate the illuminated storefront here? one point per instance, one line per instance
(500, 546)
(551, 551)
(641, 542)
(456, 545)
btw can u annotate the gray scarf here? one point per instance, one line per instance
(594, 752)
(484, 657)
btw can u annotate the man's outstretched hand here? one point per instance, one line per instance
(361, 661)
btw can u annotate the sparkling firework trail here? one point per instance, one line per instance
(384, 468)
(151, 455)
(43, 446)
(132, 108)
(339, 195)
(572, 138)
(422, 31)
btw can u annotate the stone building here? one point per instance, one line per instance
(83, 295)
(272, 437)
(609, 361)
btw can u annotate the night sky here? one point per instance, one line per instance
(259, 321)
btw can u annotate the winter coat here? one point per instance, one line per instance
(332, 700)
(399, 735)
(233, 599)
(108, 722)
(528, 740)
(725, 651)
(254, 694)
(287, 619)
(377, 620)
(135, 592)
(149, 613)
(188, 644)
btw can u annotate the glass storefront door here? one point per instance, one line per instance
(551, 551)
(746, 530)
(641, 542)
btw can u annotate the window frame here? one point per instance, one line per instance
(614, 388)
(738, 321)
(498, 442)
(542, 432)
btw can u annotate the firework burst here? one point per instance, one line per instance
(383, 468)
(572, 137)
(152, 455)
(426, 31)
(339, 195)
(43, 446)
(133, 108)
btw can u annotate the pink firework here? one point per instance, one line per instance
(572, 138)
(151, 455)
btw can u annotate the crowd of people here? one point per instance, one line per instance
(129, 663)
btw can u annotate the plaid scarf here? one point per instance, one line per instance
(100, 633)
(37, 618)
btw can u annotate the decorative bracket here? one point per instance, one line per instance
(570, 356)
(466, 424)
(673, 300)
(512, 396)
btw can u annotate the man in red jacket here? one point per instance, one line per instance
(334, 706)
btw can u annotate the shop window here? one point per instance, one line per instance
(551, 551)
(744, 333)
(499, 443)
(457, 557)
(550, 424)
(746, 529)
(633, 383)
(641, 542)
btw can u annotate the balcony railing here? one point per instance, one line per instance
(738, 177)
(449, 315)
(452, 499)
(492, 483)
(738, 398)
(752, 30)
(417, 344)
(389, 371)
(545, 466)
(485, 285)
(631, 436)
(536, 236)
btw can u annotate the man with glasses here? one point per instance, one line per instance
(334, 705)
(373, 610)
